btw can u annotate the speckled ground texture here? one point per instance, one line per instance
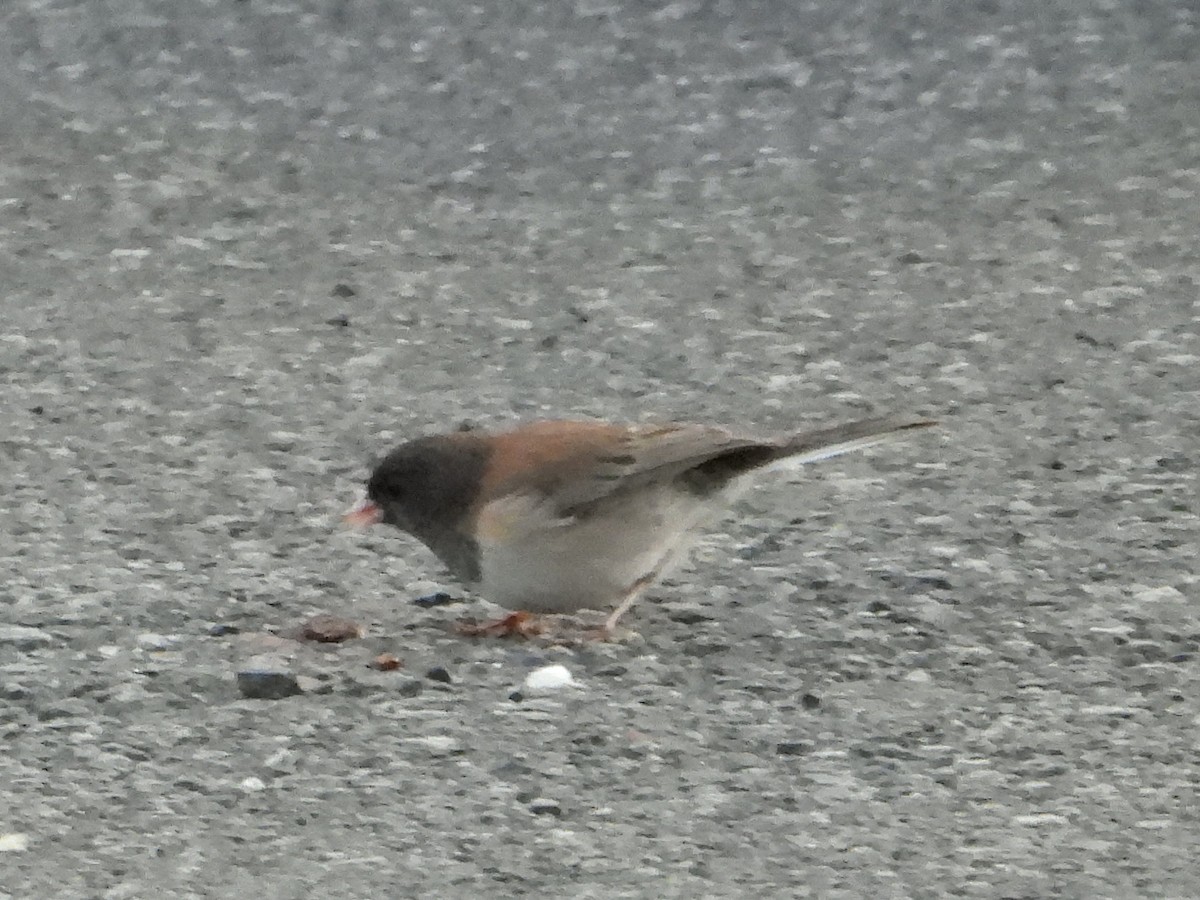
(248, 246)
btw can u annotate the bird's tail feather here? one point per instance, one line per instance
(825, 443)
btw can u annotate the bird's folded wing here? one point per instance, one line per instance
(646, 454)
(580, 468)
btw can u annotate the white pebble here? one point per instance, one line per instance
(151, 641)
(549, 678)
(253, 783)
(1166, 593)
(13, 842)
(1035, 820)
(439, 744)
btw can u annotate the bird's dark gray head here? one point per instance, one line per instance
(427, 488)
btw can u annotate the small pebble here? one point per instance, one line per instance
(221, 630)
(810, 701)
(544, 806)
(1036, 820)
(386, 662)
(281, 441)
(13, 842)
(688, 615)
(13, 690)
(439, 674)
(439, 744)
(1147, 595)
(268, 684)
(253, 783)
(151, 641)
(792, 748)
(548, 679)
(411, 688)
(23, 637)
(327, 629)
(441, 598)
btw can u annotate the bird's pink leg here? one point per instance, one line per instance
(605, 631)
(517, 624)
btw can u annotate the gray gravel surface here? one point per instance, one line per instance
(247, 246)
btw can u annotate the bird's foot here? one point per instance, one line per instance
(518, 624)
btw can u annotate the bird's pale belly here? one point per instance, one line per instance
(591, 562)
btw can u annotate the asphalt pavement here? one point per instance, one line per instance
(246, 247)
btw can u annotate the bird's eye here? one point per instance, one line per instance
(385, 489)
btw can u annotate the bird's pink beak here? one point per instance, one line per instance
(363, 514)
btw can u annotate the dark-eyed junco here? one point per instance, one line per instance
(559, 516)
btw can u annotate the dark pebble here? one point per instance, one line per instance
(514, 770)
(543, 806)
(439, 673)
(339, 321)
(342, 290)
(14, 691)
(792, 748)
(810, 701)
(441, 598)
(411, 688)
(706, 648)
(258, 685)
(688, 616)
(222, 630)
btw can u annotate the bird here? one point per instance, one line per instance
(559, 516)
